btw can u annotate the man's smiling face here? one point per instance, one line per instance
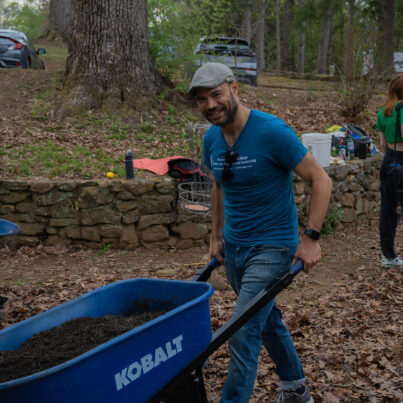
(218, 105)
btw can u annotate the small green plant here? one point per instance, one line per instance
(331, 221)
(147, 126)
(105, 247)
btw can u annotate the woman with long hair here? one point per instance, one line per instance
(391, 196)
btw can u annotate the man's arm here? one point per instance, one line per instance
(310, 171)
(217, 222)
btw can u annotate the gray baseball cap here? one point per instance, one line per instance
(211, 75)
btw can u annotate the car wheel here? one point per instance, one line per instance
(253, 81)
(29, 64)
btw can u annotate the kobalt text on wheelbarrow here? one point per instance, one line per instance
(159, 361)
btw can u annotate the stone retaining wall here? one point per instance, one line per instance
(126, 214)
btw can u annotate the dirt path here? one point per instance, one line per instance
(345, 317)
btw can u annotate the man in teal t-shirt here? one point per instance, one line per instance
(254, 220)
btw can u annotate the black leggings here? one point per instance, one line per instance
(390, 199)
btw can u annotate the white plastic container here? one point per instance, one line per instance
(318, 144)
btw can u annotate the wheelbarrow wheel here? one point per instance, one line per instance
(188, 389)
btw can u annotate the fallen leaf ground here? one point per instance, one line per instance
(345, 317)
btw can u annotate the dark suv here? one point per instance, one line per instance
(16, 50)
(233, 52)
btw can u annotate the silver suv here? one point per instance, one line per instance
(233, 52)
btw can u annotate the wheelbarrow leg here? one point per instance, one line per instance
(187, 389)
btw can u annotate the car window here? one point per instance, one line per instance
(6, 41)
(230, 44)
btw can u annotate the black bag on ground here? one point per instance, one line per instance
(395, 175)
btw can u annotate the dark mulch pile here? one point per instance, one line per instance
(62, 343)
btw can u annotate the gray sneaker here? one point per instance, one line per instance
(392, 262)
(293, 397)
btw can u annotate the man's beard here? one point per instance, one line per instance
(230, 114)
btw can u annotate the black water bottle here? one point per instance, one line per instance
(129, 165)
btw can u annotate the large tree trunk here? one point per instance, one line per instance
(287, 57)
(59, 18)
(386, 44)
(301, 44)
(109, 61)
(260, 35)
(246, 30)
(321, 64)
(348, 56)
(278, 39)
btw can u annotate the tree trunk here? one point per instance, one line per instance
(260, 35)
(321, 65)
(301, 44)
(109, 61)
(59, 18)
(386, 30)
(348, 57)
(287, 59)
(246, 30)
(278, 39)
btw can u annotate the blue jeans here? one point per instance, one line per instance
(249, 270)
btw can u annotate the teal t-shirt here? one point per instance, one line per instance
(387, 124)
(259, 205)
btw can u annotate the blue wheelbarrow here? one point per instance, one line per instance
(8, 228)
(159, 361)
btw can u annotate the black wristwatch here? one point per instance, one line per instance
(312, 233)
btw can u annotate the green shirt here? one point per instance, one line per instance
(387, 125)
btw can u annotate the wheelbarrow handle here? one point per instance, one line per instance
(204, 273)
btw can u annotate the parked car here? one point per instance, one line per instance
(16, 50)
(233, 52)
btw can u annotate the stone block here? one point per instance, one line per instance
(340, 172)
(130, 217)
(32, 228)
(26, 217)
(139, 187)
(94, 196)
(155, 203)
(90, 233)
(129, 238)
(66, 209)
(166, 186)
(25, 207)
(190, 230)
(348, 200)
(116, 186)
(15, 184)
(348, 215)
(125, 195)
(125, 205)
(154, 219)
(100, 215)
(42, 211)
(51, 230)
(14, 197)
(72, 232)
(110, 231)
(299, 188)
(64, 222)
(41, 187)
(154, 233)
(375, 185)
(66, 186)
(7, 208)
(52, 197)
